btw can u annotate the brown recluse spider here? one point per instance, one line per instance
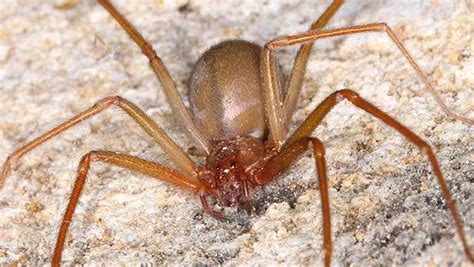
(239, 120)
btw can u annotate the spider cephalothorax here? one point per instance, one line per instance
(231, 166)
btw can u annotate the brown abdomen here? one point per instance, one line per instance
(226, 91)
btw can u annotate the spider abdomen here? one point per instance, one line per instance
(226, 91)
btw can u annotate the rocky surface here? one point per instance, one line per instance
(60, 57)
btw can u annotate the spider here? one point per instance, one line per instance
(242, 153)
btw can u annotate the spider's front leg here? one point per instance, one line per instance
(277, 110)
(283, 159)
(148, 168)
(164, 77)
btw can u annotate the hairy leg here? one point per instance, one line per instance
(177, 155)
(273, 103)
(283, 159)
(164, 77)
(295, 80)
(129, 162)
(313, 120)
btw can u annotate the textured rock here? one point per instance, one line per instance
(59, 58)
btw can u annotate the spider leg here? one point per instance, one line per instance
(273, 103)
(206, 208)
(129, 162)
(295, 80)
(164, 77)
(283, 159)
(313, 120)
(177, 155)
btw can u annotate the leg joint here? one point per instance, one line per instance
(278, 41)
(10, 160)
(268, 45)
(116, 100)
(90, 156)
(383, 26)
(111, 100)
(425, 148)
(317, 145)
(347, 94)
(148, 51)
